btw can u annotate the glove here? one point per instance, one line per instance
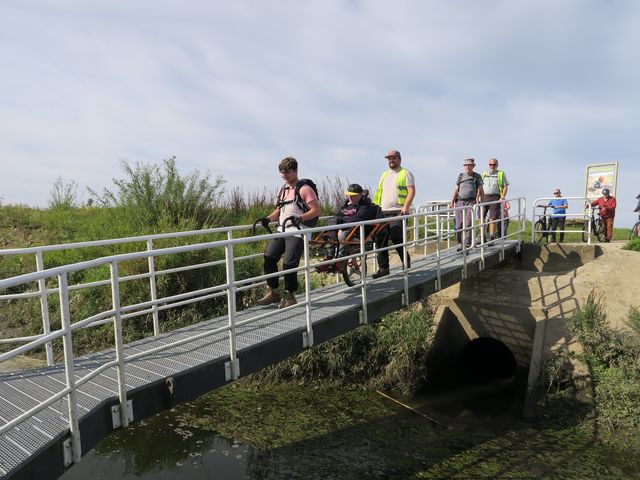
(296, 221)
(264, 221)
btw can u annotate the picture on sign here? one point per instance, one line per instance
(600, 176)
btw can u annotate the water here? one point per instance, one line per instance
(306, 432)
(162, 448)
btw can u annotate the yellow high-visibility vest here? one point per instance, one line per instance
(401, 183)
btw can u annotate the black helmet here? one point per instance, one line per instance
(638, 196)
(605, 191)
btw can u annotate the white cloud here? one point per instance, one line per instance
(232, 87)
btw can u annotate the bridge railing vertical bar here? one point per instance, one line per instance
(464, 241)
(44, 306)
(482, 233)
(307, 288)
(363, 269)
(231, 308)
(438, 239)
(119, 343)
(405, 256)
(69, 368)
(153, 288)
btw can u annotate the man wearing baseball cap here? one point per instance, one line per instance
(607, 211)
(396, 190)
(468, 191)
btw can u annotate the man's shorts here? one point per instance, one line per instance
(493, 210)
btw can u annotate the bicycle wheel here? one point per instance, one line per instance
(634, 231)
(353, 272)
(540, 233)
(599, 229)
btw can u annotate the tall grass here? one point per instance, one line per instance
(157, 196)
(390, 354)
(613, 361)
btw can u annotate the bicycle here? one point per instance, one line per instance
(635, 231)
(594, 226)
(541, 227)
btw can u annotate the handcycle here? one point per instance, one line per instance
(326, 245)
(594, 226)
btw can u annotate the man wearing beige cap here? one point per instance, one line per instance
(468, 191)
(394, 195)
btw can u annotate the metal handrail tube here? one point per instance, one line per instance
(40, 340)
(34, 276)
(119, 344)
(20, 339)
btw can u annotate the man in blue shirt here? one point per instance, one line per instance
(559, 214)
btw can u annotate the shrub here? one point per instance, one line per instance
(153, 195)
(63, 196)
(633, 245)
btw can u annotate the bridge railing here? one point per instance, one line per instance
(541, 219)
(433, 234)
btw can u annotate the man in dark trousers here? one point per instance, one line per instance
(394, 195)
(299, 201)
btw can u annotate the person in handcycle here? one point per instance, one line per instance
(344, 242)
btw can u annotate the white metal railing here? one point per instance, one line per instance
(541, 220)
(430, 228)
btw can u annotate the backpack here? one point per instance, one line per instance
(312, 222)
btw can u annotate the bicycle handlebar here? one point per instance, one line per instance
(262, 221)
(289, 219)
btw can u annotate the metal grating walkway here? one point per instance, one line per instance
(35, 449)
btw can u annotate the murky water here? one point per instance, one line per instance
(304, 432)
(162, 448)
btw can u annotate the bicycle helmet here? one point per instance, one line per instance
(605, 191)
(638, 196)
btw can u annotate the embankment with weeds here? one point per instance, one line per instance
(390, 354)
(612, 359)
(148, 199)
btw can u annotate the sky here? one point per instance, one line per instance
(232, 87)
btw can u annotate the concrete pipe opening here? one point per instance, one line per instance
(485, 360)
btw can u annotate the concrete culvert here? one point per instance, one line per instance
(485, 360)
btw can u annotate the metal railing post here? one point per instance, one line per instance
(119, 343)
(464, 209)
(307, 290)
(438, 275)
(363, 270)
(231, 309)
(482, 235)
(154, 290)
(44, 306)
(405, 256)
(69, 367)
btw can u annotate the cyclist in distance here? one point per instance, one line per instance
(607, 205)
(558, 215)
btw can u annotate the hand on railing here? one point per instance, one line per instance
(264, 221)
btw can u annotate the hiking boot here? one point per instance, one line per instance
(272, 296)
(288, 299)
(380, 273)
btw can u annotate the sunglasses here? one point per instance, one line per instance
(556, 193)
(493, 164)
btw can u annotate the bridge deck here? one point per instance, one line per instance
(34, 449)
